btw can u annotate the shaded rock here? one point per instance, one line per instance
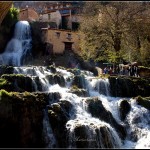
(79, 81)
(75, 71)
(58, 79)
(92, 136)
(143, 101)
(52, 68)
(59, 114)
(6, 69)
(124, 108)
(21, 119)
(123, 86)
(38, 83)
(50, 78)
(18, 83)
(96, 108)
(79, 92)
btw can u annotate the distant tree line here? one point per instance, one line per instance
(116, 32)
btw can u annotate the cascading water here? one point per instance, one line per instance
(19, 46)
(83, 128)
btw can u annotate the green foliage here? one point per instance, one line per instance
(111, 33)
(11, 18)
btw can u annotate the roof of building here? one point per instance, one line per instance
(56, 29)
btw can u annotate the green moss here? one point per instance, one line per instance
(4, 93)
(3, 83)
(74, 87)
(143, 67)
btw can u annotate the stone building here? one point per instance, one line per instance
(28, 14)
(61, 40)
(53, 17)
(64, 15)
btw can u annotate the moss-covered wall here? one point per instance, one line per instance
(123, 86)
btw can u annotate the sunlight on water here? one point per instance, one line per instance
(18, 46)
(137, 121)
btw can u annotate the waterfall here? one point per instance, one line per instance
(48, 133)
(82, 128)
(19, 46)
(138, 125)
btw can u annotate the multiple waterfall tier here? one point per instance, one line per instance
(77, 111)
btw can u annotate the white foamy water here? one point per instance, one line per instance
(18, 46)
(137, 121)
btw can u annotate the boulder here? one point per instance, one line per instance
(124, 108)
(96, 108)
(143, 101)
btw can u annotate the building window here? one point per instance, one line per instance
(49, 16)
(69, 36)
(57, 34)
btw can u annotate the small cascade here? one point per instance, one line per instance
(102, 86)
(138, 125)
(88, 121)
(50, 141)
(92, 133)
(19, 46)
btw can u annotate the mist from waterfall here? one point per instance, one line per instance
(19, 46)
(94, 128)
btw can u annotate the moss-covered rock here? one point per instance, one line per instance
(59, 114)
(79, 92)
(124, 108)
(4, 69)
(123, 86)
(143, 71)
(143, 101)
(21, 119)
(79, 81)
(56, 79)
(17, 83)
(92, 136)
(52, 68)
(96, 108)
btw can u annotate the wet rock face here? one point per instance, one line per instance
(124, 108)
(129, 86)
(79, 81)
(52, 68)
(92, 136)
(56, 79)
(79, 92)
(74, 71)
(21, 120)
(18, 83)
(6, 70)
(143, 101)
(59, 114)
(96, 108)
